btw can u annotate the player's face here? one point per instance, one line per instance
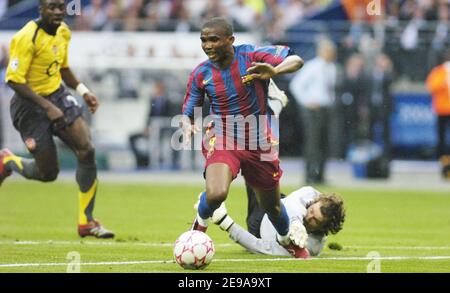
(52, 12)
(216, 44)
(314, 218)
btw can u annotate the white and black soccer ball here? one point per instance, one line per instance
(193, 250)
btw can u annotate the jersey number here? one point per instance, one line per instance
(73, 100)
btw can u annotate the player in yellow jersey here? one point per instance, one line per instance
(42, 108)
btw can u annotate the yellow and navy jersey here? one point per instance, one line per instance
(36, 57)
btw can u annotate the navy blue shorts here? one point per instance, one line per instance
(31, 120)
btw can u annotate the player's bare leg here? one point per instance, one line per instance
(43, 167)
(77, 137)
(218, 180)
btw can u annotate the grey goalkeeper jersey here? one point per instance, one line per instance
(295, 204)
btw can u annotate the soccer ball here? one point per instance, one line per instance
(193, 250)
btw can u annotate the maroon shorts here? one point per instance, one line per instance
(260, 169)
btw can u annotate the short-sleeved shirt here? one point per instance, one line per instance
(227, 94)
(296, 207)
(36, 57)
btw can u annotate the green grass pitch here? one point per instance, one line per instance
(409, 230)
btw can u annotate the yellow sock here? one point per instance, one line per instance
(15, 159)
(86, 206)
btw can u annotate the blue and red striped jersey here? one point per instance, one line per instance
(227, 94)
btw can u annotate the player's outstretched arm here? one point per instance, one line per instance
(261, 70)
(69, 78)
(71, 81)
(291, 64)
(25, 92)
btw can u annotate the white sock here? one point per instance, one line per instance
(226, 223)
(202, 221)
(283, 239)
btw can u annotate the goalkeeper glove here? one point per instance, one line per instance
(297, 233)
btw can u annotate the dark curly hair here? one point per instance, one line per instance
(333, 211)
(220, 23)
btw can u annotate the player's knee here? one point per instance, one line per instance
(86, 154)
(216, 194)
(273, 211)
(49, 176)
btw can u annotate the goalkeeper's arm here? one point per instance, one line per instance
(315, 244)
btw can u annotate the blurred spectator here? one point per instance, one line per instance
(4, 59)
(272, 22)
(114, 16)
(134, 12)
(179, 15)
(93, 17)
(185, 15)
(130, 79)
(157, 13)
(381, 104)
(242, 15)
(314, 89)
(358, 28)
(412, 40)
(351, 105)
(213, 9)
(196, 7)
(438, 84)
(441, 38)
(293, 12)
(159, 106)
(3, 7)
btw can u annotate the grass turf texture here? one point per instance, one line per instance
(405, 227)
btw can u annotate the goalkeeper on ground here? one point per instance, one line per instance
(313, 216)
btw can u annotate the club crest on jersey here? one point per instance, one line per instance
(14, 64)
(55, 49)
(206, 81)
(211, 148)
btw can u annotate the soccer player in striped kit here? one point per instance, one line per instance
(236, 80)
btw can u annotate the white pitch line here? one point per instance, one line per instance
(445, 257)
(399, 247)
(165, 244)
(97, 243)
(108, 263)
